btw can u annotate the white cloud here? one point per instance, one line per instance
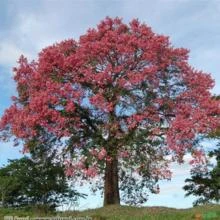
(9, 53)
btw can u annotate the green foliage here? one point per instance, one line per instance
(8, 185)
(29, 183)
(38, 181)
(206, 185)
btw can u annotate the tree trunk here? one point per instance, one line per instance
(111, 186)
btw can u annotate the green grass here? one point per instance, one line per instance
(130, 213)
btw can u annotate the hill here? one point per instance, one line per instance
(129, 213)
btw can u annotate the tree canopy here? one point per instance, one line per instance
(119, 100)
(36, 181)
(205, 183)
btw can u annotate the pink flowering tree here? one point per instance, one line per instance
(121, 103)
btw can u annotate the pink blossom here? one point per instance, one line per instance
(124, 154)
(102, 154)
(91, 172)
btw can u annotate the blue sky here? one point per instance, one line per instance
(26, 26)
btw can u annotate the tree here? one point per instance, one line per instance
(205, 185)
(27, 182)
(120, 99)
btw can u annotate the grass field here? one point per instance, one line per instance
(130, 213)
